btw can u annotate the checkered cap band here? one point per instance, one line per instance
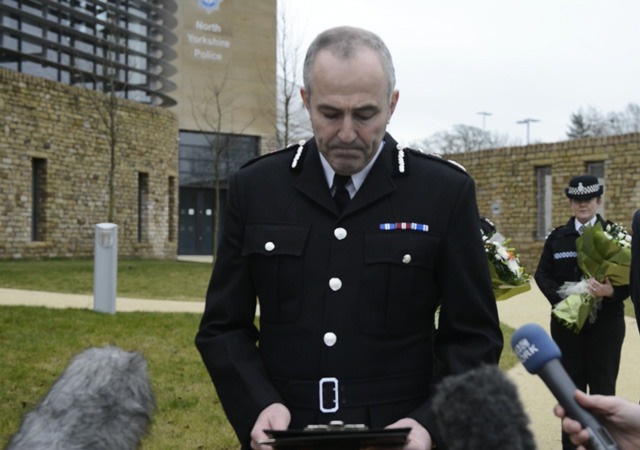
(583, 190)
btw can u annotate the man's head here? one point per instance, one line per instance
(585, 193)
(349, 91)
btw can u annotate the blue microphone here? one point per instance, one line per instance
(540, 355)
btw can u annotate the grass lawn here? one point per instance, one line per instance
(38, 343)
(152, 279)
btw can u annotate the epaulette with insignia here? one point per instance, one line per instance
(435, 157)
(298, 158)
(555, 231)
(399, 168)
(271, 153)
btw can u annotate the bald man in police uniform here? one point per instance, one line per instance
(347, 294)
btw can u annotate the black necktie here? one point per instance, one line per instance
(341, 195)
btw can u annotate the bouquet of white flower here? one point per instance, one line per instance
(507, 274)
(601, 254)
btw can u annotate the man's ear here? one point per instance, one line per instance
(305, 98)
(394, 100)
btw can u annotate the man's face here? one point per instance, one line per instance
(585, 210)
(349, 107)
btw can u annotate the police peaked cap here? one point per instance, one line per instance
(584, 187)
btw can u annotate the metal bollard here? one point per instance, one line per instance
(105, 268)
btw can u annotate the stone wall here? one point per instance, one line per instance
(56, 134)
(506, 184)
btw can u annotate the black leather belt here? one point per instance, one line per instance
(329, 394)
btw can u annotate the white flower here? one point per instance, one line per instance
(618, 234)
(513, 265)
(504, 254)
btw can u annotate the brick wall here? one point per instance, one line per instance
(60, 128)
(507, 187)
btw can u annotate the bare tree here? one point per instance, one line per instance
(463, 138)
(587, 123)
(591, 122)
(578, 128)
(291, 122)
(214, 116)
(109, 77)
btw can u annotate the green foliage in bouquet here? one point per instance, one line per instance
(601, 254)
(605, 253)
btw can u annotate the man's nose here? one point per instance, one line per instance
(347, 132)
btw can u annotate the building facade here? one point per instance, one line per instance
(55, 159)
(226, 104)
(208, 65)
(120, 46)
(521, 189)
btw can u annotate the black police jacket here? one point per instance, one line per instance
(347, 300)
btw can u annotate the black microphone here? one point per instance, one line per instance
(541, 355)
(479, 410)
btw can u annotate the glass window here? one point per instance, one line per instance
(73, 27)
(596, 168)
(38, 198)
(200, 151)
(143, 206)
(10, 22)
(31, 10)
(544, 202)
(172, 209)
(31, 29)
(30, 47)
(9, 42)
(9, 65)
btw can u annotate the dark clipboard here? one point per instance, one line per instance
(336, 439)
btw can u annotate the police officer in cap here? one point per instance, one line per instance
(349, 241)
(591, 356)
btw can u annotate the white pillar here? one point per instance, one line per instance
(105, 269)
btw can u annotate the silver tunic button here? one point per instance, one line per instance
(335, 284)
(406, 259)
(340, 233)
(269, 246)
(330, 339)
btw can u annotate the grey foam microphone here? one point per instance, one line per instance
(103, 400)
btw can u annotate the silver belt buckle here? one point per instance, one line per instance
(331, 381)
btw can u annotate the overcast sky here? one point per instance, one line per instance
(515, 59)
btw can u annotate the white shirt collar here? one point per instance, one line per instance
(590, 223)
(356, 179)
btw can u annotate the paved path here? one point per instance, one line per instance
(58, 300)
(515, 312)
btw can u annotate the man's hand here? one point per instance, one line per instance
(274, 417)
(620, 417)
(418, 439)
